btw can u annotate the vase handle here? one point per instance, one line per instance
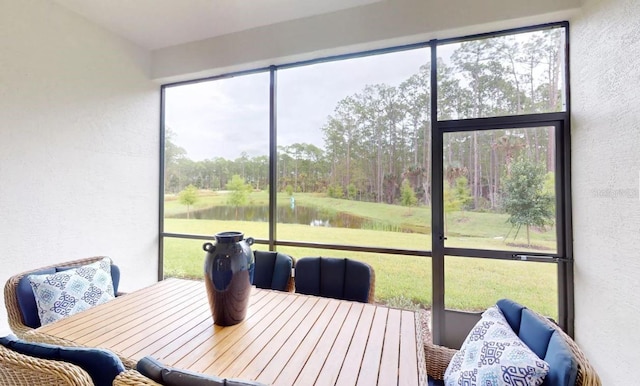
(208, 247)
(249, 240)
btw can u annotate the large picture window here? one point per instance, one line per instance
(433, 162)
(353, 151)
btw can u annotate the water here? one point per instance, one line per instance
(285, 215)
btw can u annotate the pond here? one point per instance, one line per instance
(285, 214)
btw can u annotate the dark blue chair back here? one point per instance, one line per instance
(336, 278)
(273, 270)
(544, 340)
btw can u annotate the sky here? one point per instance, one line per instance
(224, 118)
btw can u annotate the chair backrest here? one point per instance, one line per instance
(170, 376)
(567, 364)
(336, 278)
(45, 364)
(273, 270)
(20, 302)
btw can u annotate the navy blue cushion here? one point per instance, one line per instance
(333, 277)
(435, 382)
(263, 274)
(512, 311)
(282, 272)
(101, 365)
(150, 368)
(357, 281)
(178, 377)
(43, 351)
(272, 270)
(308, 276)
(332, 273)
(27, 301)
(241, 382)
(535, 332)
(563, 368)
(170, 376)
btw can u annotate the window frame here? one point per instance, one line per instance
(561, 120)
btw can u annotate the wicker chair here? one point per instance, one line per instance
(133, 378)
(16, 321)
(15, 318)
(19, 369)
(438, 358)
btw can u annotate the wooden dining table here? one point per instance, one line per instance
(285, 339)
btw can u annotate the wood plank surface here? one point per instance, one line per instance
(349, 374)
(285, 339)
(372, 355)
(318, 357)
(388, 374)
(408, 371)
(332, 366)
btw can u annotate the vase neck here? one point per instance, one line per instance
(229, 237)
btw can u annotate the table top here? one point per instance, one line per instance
(285, 339)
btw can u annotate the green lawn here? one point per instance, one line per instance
(403, 281)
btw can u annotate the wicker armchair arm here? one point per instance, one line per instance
(437, 358)
(133, 378)
(19, 369)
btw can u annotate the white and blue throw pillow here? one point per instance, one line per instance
(68, 292)
(493, 355)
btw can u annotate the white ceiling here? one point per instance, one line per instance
(156, 24)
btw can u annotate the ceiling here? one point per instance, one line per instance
(154, 24)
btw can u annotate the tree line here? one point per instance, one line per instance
(377, 142)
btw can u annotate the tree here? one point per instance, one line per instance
(188, 196)
(461, 192)
(407, 195)
(173, 154)
(238, 192)
(335, 191)
(526, 199)
(352, 191)
(289, 189)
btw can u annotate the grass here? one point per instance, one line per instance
(402, 281)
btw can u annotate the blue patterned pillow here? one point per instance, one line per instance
(65, 293)
(492, 354)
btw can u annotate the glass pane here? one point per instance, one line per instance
(504, 75)
(401, 281)
(217, 156)
(354, 141)
(183, 258)
(499, 189)
(474, 284)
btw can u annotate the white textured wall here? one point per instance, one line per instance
(78, 145)
(383, 24)
(605, 81)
